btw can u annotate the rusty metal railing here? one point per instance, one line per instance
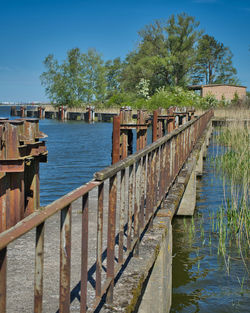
(136, 187)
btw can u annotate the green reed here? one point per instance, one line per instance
(233, 164)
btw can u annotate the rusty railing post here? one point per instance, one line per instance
(116, 140)
(84, 253)
(39, 260)
(155, 122)
(3, 276)
(65, 259)
(111, 236)
(99, 240)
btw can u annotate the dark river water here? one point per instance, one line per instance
(203, 281)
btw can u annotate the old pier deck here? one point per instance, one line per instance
(88, 113)
(106, 246)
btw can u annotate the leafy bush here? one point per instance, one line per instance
(123, 99)
(209, 101)
(166, 97)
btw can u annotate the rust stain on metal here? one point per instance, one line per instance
(111, 235)
(116, 140)
(122, 216)
(65, 259)
(39, 261)
(99, 240)
(3, 271)
(84, 253)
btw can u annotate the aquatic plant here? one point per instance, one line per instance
(233, 164)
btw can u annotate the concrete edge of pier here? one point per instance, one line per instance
(145, 285)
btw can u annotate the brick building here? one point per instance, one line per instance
(220, 90)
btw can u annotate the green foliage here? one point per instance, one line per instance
(236, 100)
(223, 103)
(79, 79)
(123, 99)
(165, 54)
(209, 101)
(170, 53)
(164, 97)
(174, 96)
(113, 75)
(213, 63)
(182, 35)
(143, 88)
(236, 160)
(94, 72)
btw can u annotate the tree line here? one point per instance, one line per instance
(170, 54)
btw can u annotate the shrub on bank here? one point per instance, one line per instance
(164, 97)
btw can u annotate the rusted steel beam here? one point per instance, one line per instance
(142, 193)
(20, 147)
(32, 186)
(99, 241)
(22, 111)
(3, 187)
(161, 171)
(111, 236)
(62, 112)
(3, 277)
(40, 112)
(137, 187)
(153, 166)
(65, 259)
(121, 217)
(154, 130)
(38, 217)
(116, 140)
(124, 143)
(115, 168)
(141, 130)
(149, 190)
(84, 253)
(130, 204)
(156, 164)
(39, 260)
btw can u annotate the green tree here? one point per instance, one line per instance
(214, 62)
(113, 75)
(93, 72)
(165, 54)
(183, 34)
(78, 79)
(148, 61)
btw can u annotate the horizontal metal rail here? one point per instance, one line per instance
(136, 187)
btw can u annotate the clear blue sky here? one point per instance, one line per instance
(31, 29)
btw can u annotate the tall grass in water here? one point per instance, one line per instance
(233, 218)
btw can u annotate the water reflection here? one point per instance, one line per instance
(203, 279)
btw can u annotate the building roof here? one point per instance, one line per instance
(199, 87)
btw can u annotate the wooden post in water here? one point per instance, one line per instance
(116, 140)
